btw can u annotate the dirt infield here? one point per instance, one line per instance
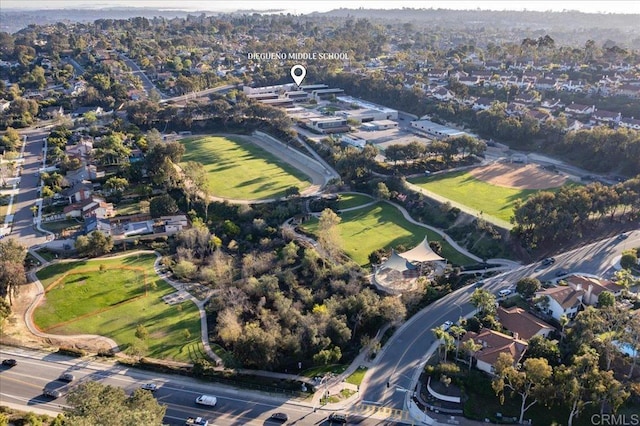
(519, 176)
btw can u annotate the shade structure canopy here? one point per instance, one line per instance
(397, 263)
(421, 253)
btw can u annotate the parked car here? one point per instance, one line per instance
(150, 387)
(504, 292)
(280, 417)
(9, 362)
(622, 237)
(338, 418)
(447, 325)
(67, 377)
(196, 421)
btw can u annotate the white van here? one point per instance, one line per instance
(206, 400)
(504, 292)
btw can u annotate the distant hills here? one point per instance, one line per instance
(14, 20)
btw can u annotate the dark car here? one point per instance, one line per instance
(9, 362)
(280, 417)
(67, 377)
(561, 273)
(549, 261)
(622, 237)
(51, 393)
(338, 418)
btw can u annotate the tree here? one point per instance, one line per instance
(116, 184)
(528, 286)
(446, 341)
(197, 184)
(484, 301)
(11, 139)
(5, 310)
(575, 383)
(541, 347)
(328, 232)
(382, 192)
(606, 298)
(94, 245)
(531, 383)
(471, 347)
(162, 205)
(629, 259)
(94, 403)
(12, 273)
(292, 191)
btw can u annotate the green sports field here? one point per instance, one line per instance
(238, 169)
(382, 225)
(462, 187)
(83, 299)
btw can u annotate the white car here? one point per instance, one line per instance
(504, 292)
(207, 400)
(150, 387)
(447, 325)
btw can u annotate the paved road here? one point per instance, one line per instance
(23, 228)
(401, 361)
(22, 387)
(146, 82)
(194, 95)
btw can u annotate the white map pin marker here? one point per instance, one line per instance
(298, 78)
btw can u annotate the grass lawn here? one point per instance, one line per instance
(125, 209)
(465, 189)
(108, 302)
(356, 377)
(323, 369)
(382, 225)
(241, 170)
(347, 201)
(61, 225)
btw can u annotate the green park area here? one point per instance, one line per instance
(119, 298)
(463, 188)
(383, 226)
(347, 201)
(238, 169)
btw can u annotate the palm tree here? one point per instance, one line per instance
(471, 347)
(446, 341)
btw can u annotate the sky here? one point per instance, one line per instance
(308, 6)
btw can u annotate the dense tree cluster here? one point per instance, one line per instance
(93, 403)
(277, 303)
(12, 273)
(556, 216)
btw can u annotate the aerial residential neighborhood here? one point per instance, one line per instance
(376, 215)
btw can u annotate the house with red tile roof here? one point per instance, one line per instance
(521, 324)
(559, 301)
(493, 344)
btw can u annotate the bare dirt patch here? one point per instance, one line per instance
(518, 176)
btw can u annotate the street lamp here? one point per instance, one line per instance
(459, 307)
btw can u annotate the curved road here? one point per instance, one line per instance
(403, 357)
